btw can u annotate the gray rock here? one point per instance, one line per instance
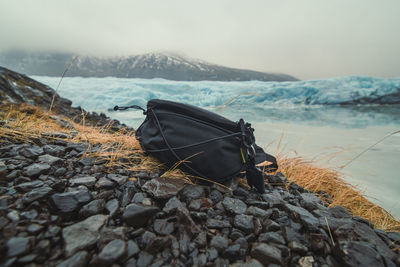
(112, 252)
(297, 247)
(50, 160)
(69, 202)
(274, 199)
(3, 169)
(158, 244)
(144, 259)
(215, 196)
(87, 181)
(220, 243)
(34, 228)
(190, 192)
(257, 212)
(87, 161)
(36, 194)
(163, 188)
(57, 151)
(13, 215)
(137, 215)
(60, 172)
(163, 227)
(266, 253)
(251, 263)
(234, 252)
(36, 169)
(244, 223)
(172, 204)
(84, 234)
(31, 152)
(119, 179)
(271, 237)
(112, 207)
(92, 208)
(133, 249)
(104, 183)
(305, 217)
(233, 205)
(218, 224)
(310, 201)
(78, 260)
(354, 253)
(138, 197)
(18, 246)
(28, 186)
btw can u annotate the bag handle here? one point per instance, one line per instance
(128, 107)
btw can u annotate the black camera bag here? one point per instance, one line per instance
(203, 143)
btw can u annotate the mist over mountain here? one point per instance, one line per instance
(147, 66)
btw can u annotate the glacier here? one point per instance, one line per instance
(339, 101)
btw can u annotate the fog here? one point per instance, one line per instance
(308, 39)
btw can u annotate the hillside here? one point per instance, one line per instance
(147, 66)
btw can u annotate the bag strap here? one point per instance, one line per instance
(255, 176)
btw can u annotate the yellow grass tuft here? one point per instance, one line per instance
(314, 178)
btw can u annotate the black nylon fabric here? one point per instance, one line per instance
(209, 144)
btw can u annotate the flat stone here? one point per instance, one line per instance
(87, 181)
(92, 208)
(3, 170)
(13, 215)
(112, 252)
(257, 212)
(244, 223)
(354, 253)
(34, 228)
(36, 194)
(163, 227)
(137, 215)
(31, 152)
(266, 253)
(217, 224)
(304, 216)
(274, 199)
(112, 206)
(48, 159)
(218, 242)
(84, 234)
(233, 205)
(163, 188)
(133, 249)
(78, 260)
(104, 183)
(158, 244)
(190, 192)
(271, 237)
(171, 205)
(119, 179)
(28, 186)
(144, 259)
(310, 201)
(87, 161)
(70, 202)
(36, 169)
(57, 151)
(18, 246)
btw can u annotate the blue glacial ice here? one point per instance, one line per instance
(313, 101)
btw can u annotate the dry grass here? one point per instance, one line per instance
(308, 175)
(25, 124)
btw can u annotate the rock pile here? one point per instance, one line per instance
(58, 209)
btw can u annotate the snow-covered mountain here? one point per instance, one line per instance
(147, 66)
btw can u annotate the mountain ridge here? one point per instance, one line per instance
(151, 65)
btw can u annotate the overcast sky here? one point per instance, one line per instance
(308, 39)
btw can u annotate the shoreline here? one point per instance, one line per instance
(78, 193)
